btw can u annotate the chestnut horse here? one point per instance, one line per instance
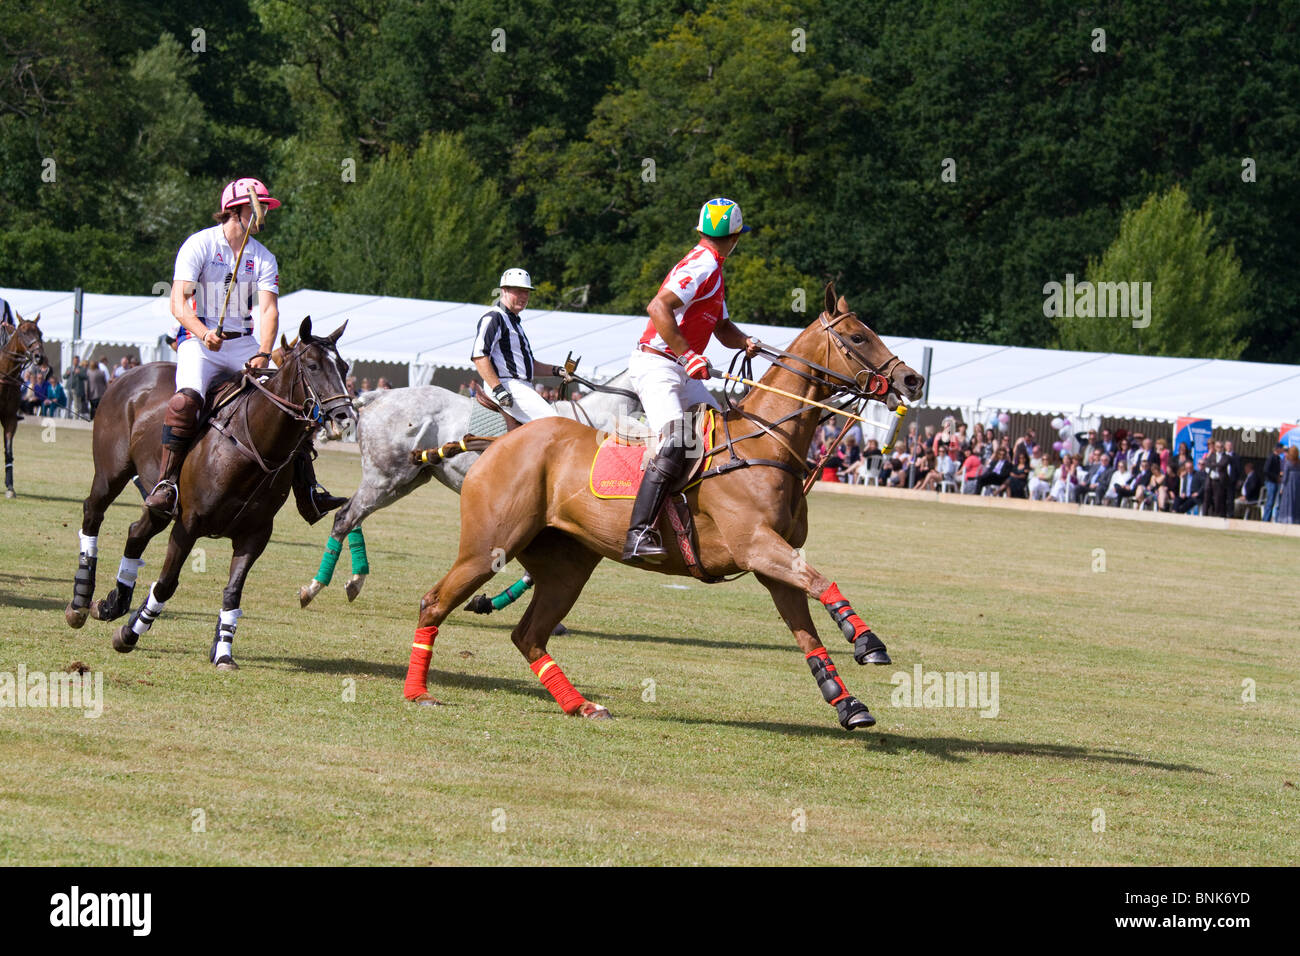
(527, 498)
(232, 483)
(24, 347)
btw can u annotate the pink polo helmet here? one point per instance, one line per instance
(236, 194)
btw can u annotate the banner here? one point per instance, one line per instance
(1195, 433)
(1290, 436)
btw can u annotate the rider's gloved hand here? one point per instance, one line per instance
(503, 396)
(696, 365)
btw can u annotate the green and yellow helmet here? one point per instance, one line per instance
(721, 218)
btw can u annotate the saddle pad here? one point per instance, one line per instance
(484, 422)
(617, 467)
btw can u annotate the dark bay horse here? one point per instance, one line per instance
(23, 348)
(234, 480)
(527, 497)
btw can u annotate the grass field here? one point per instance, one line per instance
(1120, 693)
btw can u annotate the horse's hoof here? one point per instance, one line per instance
(426, 700)
(308, 591)
(75, 616)
(227, 664)
(479, 604)
(124, 640)
(559, 629)
(870, 649)
(854, 714)
(594, 712)
(353, 587)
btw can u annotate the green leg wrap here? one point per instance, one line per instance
(357, 544)
(511, 594)
(328, 560)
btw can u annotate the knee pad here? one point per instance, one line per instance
(183, 412)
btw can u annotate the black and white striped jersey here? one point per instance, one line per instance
(501, 338)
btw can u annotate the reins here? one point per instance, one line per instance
(838, 383)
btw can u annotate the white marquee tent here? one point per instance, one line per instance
(424, 335)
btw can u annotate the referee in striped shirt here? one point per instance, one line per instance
(503, 356)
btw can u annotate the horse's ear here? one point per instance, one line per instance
(842, 305)
(36, 319)
(284, 344)
(337, 333)
(304, 330)
(830, 298)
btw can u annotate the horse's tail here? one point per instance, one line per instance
(448, 450)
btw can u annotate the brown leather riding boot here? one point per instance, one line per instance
(313, 501)
(163, 499)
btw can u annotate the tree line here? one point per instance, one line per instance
(941, 161)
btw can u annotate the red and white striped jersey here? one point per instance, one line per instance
(697, 281)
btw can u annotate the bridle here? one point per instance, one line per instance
(22, 357)
(314, 409)
(877, 380)
(311, 412)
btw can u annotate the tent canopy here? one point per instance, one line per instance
(428, 334)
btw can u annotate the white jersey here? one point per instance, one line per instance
(501, 339)
(207, 260)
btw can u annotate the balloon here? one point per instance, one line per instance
(1058, 422)
(1057, 446)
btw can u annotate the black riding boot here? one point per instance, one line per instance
(314, 502)
(643, 543)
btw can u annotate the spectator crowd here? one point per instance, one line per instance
(1118, 470)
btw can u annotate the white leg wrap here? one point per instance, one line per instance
(149, 613)
(89, 544)
(231, 618)
(128, 569)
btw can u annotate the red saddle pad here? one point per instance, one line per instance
(617, 469)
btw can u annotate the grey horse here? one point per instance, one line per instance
(394, 422)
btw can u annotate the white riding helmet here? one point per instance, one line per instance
(516, 278)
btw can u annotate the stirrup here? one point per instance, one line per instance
(645, 546)
(158, 510)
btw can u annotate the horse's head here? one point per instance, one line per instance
(25, 343)
(317, 364)
(858, 354)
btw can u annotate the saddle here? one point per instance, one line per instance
(619, 463)
(225, 388)
(497, 421)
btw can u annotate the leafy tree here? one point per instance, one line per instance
(423, 223)
(1198, 294)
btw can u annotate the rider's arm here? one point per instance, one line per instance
(268, 323)
(486, 371)
(660, 310)
(730, 336)
(182, 305)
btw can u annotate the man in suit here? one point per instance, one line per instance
(1191, 489)
(1088, 476)
(1251, 487)
(1272, 481)
(1097, 480)
(1236, 475)
(1108, 444)
(997, 474)
(1216, 493)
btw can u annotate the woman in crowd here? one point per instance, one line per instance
(926, 477)
(970, 468)
(1288, 503)
(1118, 479)
(1040, 484)
(1018, 483)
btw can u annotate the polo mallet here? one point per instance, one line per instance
(259, 215)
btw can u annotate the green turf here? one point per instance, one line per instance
(1120, 691)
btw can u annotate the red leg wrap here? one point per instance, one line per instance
(417, 672)
(828, 679)
(843, 614)
(553, 679)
